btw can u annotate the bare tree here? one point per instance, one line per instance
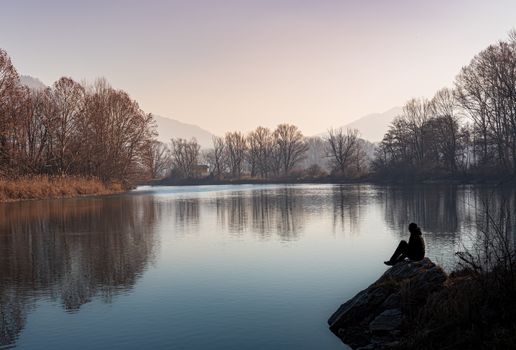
(291, 146)
(36, 124)
(261, 143)
(446, 127)
(114, 134)
(9, 81)
(416, 113)
(69, 100)
(71, 130)
(343, 149)
(486, 89)
(236, 147)
(157, 159)
(218, 156)
(316, 153)
(185, 156)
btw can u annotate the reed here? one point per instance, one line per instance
(42, 186)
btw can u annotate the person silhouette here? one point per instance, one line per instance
(414, 249)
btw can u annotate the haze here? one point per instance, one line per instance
(233, 65)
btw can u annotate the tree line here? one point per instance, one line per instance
(94, 130)
(282, 153)
(70, 129)
(97, 131)
(469, 129)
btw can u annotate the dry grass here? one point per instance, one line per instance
(477, 308)
(41, 187)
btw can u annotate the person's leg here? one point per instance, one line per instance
(399, 254)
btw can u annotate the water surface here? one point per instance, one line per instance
(209, 267)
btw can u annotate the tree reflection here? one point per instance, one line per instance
(71, 251)
(284, 211)
(187, 213)
(278, 211)
(347, 203)
(434, 208)
(261, 214)
(496, 207)
(443, 212)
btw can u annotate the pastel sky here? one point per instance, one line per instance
(233, 65)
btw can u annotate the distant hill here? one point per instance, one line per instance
(32, 83)
(373, 126)
(170, 128)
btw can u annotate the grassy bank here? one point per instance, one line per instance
(42, 187)
(477, 307)
(473, 311)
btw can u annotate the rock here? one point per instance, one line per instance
(373, 319)
(389, 320)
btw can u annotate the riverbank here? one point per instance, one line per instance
(416, 305)
(444, 180)
(46, 187)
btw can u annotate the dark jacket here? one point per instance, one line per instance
(416, 246)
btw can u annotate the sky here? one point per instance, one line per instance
(233, 65)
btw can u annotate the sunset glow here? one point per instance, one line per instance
(238, 64)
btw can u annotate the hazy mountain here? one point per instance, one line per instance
(32, 83)
(170, 128)
(373, 126)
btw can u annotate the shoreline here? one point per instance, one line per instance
(366, 180)
(45, 187)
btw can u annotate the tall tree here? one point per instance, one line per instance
(236, 147)
(69, 102)
(9, 81)
(291, 146)
(343, 149)
(261, 143)
(185, 155)
(157, 159)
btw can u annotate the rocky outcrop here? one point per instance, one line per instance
(376, 317)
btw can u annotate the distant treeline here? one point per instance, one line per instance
(469, 130)
(71, 130)
(265, 154)
(466, 132)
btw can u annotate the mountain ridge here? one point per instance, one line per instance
(169, 128)
(373, 126)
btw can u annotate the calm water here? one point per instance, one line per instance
(226, 267)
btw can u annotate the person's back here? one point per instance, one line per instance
(416, 244)
(414, 249)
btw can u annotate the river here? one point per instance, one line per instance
(212, 267)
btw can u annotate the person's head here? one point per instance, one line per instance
(413, 228)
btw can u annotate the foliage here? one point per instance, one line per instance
(71, 130)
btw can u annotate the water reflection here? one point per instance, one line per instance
(435, 208)
(347, 205)
(450, 215)
(76, 251)
(265, 212)
(187, 213)
(71, 251)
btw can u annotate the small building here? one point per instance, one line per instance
(201, 170)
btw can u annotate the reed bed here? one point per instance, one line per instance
(41, 187)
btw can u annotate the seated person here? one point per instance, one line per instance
(414, 249)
